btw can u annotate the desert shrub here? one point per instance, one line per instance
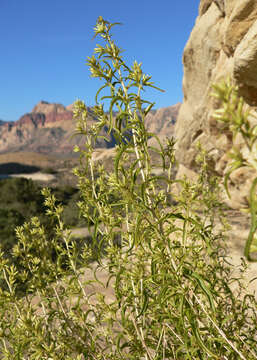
(234, 116)
(9, 220)
(17, 192)
(164, 261)
(21, 199)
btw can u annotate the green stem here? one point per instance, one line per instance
(253, 227)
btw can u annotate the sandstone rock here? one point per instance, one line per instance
(241, 16)
(46, 108)
(220, 45)
(162, 121)
(49, 128)
(204, 6)
(70, 107)
(245, 65)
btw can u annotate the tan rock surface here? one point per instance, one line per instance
(46, 108)
(223, 43)
(245, 64)
(162, 121)
(240, 15)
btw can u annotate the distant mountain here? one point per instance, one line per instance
(162, 121)
(49, 128)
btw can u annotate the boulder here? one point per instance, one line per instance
(223, 43)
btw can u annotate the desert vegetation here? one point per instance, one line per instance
(21, 199)
(169, 282)
(234, 116)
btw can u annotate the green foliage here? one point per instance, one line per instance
(234, 115)
(16, 192)
(21, 199)
(9, 220)
(168, 284)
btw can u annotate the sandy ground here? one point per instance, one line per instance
(237, 238)
(38, 176)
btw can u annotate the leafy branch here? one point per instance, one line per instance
(234, 114)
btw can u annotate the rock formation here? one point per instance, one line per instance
(49, 128)
(162, 121)
(223, 43)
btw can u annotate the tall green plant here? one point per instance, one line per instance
(234, 114)
(168, 282)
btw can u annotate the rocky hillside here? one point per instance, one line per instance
(223, 43)
(49, 128)
(162, 121)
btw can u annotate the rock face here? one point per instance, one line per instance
(49, 128)
(41, 130)
(162, 121)
(223, 43)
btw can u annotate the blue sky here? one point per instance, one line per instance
(44, 46)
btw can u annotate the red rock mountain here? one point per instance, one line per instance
(49, 128)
